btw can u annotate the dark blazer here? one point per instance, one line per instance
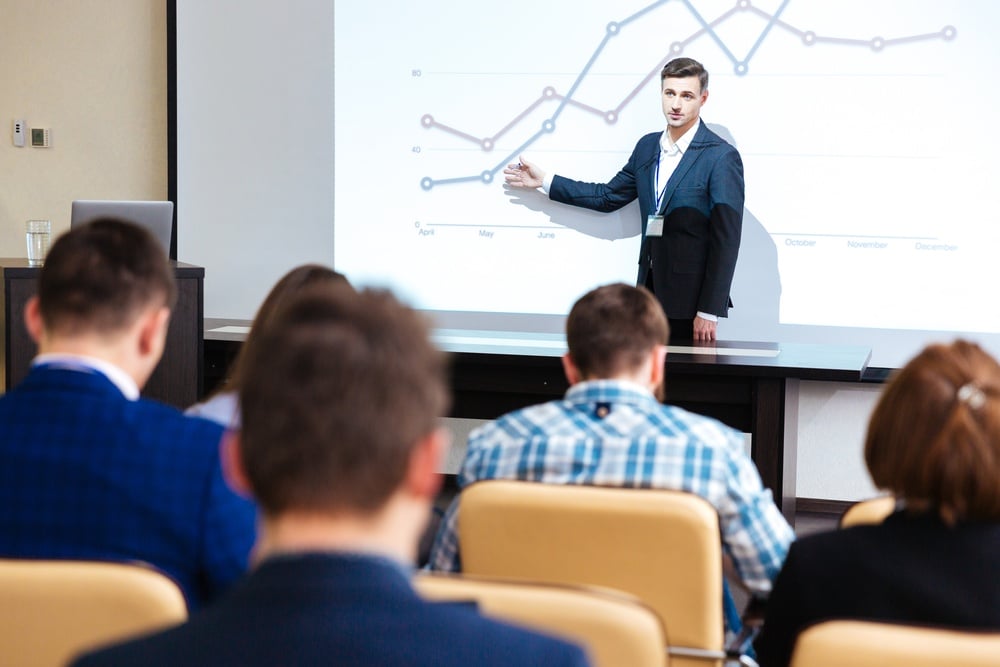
(336, 610)
(87, 474)
(693, 262)
(910, 569)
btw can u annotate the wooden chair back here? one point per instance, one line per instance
(660, 546)
(51, 611)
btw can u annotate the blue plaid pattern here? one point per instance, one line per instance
(87, 474)
(614, 433)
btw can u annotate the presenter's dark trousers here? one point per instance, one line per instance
(681, 330)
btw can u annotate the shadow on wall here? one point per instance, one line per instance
(620, 224)
(756, 290)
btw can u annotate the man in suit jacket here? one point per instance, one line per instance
(689, 183)
(88, 470)
(340, 445)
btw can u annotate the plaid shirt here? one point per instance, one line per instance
(614, 433)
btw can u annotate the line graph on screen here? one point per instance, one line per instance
(709, 29)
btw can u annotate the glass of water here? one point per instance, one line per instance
(38, 234)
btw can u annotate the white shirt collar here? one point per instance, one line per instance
(682, 143)
(78, 362)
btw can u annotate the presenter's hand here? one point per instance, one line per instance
(523, 175)
(704, 330)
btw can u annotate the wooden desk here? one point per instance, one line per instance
(752, 387)
(178, 377)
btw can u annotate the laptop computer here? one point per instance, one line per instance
(156, 216)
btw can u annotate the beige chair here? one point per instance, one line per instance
(661, 546)
(52, 610)
(614, 628)
(867, 644)
(870, 511)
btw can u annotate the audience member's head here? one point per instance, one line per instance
(289, 284)
(614, 331)
(106, 290)
(934, 437)
(341, 400)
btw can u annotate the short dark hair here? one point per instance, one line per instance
(98, 277)
(614, 328)
(934, 436)
(340, 388)
(680, 68)
(294, 281)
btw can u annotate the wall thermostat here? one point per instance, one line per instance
(40, 137)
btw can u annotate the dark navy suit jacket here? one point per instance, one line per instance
(692, 264)
(911, 569)
(87, 474)
(337, 609)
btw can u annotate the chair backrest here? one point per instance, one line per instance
(868, 644)
(52, 610)
(661, 546)
(870, 511)
(614, 628)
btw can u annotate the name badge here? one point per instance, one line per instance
(654, 225)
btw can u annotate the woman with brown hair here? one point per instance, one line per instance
(934, 443)
(223, 407)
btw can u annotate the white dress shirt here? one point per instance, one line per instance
(78, 362)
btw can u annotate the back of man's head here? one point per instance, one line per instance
(99, 277)
(613, 329)
(336, 395)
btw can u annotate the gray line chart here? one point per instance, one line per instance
(709, 28)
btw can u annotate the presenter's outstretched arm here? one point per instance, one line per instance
(523, 174)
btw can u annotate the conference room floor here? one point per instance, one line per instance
(807, 523)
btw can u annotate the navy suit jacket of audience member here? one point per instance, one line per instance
(87, 474)
(694, 261)
(337, 609)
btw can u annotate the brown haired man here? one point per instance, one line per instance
(88, 470)
(340, 445)
(610, 430)
(689, 183)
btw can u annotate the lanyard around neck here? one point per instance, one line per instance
(656, 181)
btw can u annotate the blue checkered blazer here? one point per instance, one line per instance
(87, 474)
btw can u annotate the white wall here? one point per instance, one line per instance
(832, 422)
